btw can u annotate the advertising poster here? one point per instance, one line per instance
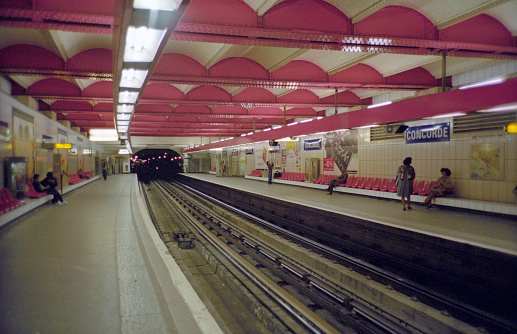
(342, 146)
(328, 164)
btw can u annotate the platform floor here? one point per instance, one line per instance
(485, 230)
(94, 266)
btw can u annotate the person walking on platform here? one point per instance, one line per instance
(340, 180)
(270, 166)
(104, 169)
(404, 182)
(443, 186)
(48, 185)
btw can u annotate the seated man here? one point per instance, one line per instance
(48, 186)
(340, 180)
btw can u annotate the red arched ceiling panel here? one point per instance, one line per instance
(104, 107)
(99, 89)
(228, 12)
(300, 112)
(95, 60)
(232, 110)
(178, 64)
(98, 7)
(149, 118)
(345, 97)
(359, 73)
(266, 111)
(315, 15)
(162, 91)
(176, 119)
(252, 94)
(62, 105)
(83, 117)
(300, 70)
(300, 96)
(414, 76)
(159, 108)
(479, 29)
(397, 21)
(54, 86)
(29, 56)
(211, 93)
(186, 109)
(239, 67)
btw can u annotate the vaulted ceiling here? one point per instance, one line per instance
(236, 66)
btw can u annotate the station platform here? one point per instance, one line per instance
(96, 265)
(482, 229)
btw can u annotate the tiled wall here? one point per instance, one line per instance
(381, 159)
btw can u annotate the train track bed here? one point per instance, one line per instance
(347, 299)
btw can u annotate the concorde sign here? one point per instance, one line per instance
(428, 133)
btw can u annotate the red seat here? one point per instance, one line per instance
(419, 187)
(348, 182)
(8, 200)
(361, 183)
(377, 183)
(330, 178)
(320, 177)
(356, 182)
(384, 185)
(32, 193)
(392, 188)
(323, 179)
(367, 184)
(426, 191)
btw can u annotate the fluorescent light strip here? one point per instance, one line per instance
(483, 83)
(454, 114)
(507, 107)
(379, 104)
(167, 5)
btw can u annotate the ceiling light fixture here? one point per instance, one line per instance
(142, 33)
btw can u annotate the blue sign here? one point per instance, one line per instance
(428, 133)
(249, 150)
(312, 145)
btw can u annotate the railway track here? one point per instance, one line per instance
(343, 305)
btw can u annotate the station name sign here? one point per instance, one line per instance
(428, 133)
(314, 144)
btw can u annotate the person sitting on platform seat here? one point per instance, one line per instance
(443, 186)
(48, 185)
(340, 180)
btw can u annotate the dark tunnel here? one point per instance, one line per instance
(151, 164)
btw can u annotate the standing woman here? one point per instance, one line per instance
(404, 180)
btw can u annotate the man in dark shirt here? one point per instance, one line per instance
(48, 186)
(340, 180)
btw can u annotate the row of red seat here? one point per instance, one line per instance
(381, 184)
(7, 202)
(75, 178)
(292, 176)
(255, 172)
